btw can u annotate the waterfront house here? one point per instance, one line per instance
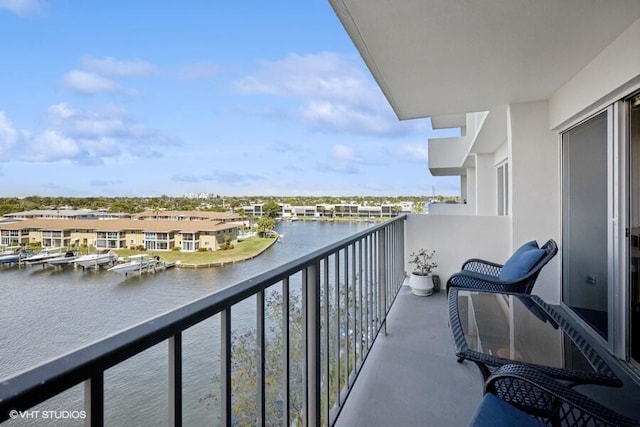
(188, 216)
(66, 214)
(546, 96)
(352, 210)
(121, 233)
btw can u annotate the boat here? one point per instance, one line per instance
(64, 259)
(137, 264)
(97, 259)
(12, 256)
(42, 256)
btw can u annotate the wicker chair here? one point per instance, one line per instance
(485, 275)
(545, 400)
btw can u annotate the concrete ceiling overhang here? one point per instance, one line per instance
(441, 57)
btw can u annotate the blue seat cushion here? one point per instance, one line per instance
(495, 412)
(521, 262)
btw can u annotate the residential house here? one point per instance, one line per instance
(188, 216)
(66, 214)
(122, 233)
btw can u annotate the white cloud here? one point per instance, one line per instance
(333, 116)
(109, 66)
(62, 111)
(21, 7)
(325, 75)
(97, 124)
(344, 159)
(89, 83)
(52, 146)
(12, 139)
(82, 136)
(8, 133)
(333, 91)
(96, 75)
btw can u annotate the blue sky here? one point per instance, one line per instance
(141, 98)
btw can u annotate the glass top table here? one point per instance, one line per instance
(495, 329)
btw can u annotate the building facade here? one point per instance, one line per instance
(547, 99)
(117, 234)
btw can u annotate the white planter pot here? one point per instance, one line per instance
(421, 285)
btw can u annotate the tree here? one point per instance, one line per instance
(245, 356)
(244, 359)
(271, 209)
(266, 225)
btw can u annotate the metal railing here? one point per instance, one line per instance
(337, 298)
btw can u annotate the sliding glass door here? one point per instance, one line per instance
(601, 224)
(633, 107)
(585, 213)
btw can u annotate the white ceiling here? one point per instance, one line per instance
(437, 57)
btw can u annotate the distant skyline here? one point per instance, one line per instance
(231, 98)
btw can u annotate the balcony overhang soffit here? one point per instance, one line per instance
(444, 57)
(484, 132)
(448, 171)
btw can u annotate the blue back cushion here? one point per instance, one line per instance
(495, 412)
(529, 245)
(521, 262)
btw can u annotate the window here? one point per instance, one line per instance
(503, 188)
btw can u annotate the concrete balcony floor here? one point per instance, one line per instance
(411, 376)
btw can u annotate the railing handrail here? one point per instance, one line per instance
(36, 384)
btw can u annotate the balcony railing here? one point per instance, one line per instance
(337, 298)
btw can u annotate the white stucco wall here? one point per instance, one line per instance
(611, 75)
(535, 189)
(457, 238)
(451, 209)
(487, 186)
(501, 154)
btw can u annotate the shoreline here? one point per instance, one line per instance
(229, 262)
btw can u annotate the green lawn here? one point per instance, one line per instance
(242, 250)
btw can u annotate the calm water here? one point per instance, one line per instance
(45, 313)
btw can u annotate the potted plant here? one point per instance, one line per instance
(421, 281)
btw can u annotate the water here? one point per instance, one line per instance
(45, 313)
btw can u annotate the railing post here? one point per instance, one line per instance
(286, 362)
(260, 398)
(324, 344)
(311, 302)
(94, 400)
(382, 278)
(367, 292)
(337, 327)
(225, 366)
(402, 226)
(175, 380)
